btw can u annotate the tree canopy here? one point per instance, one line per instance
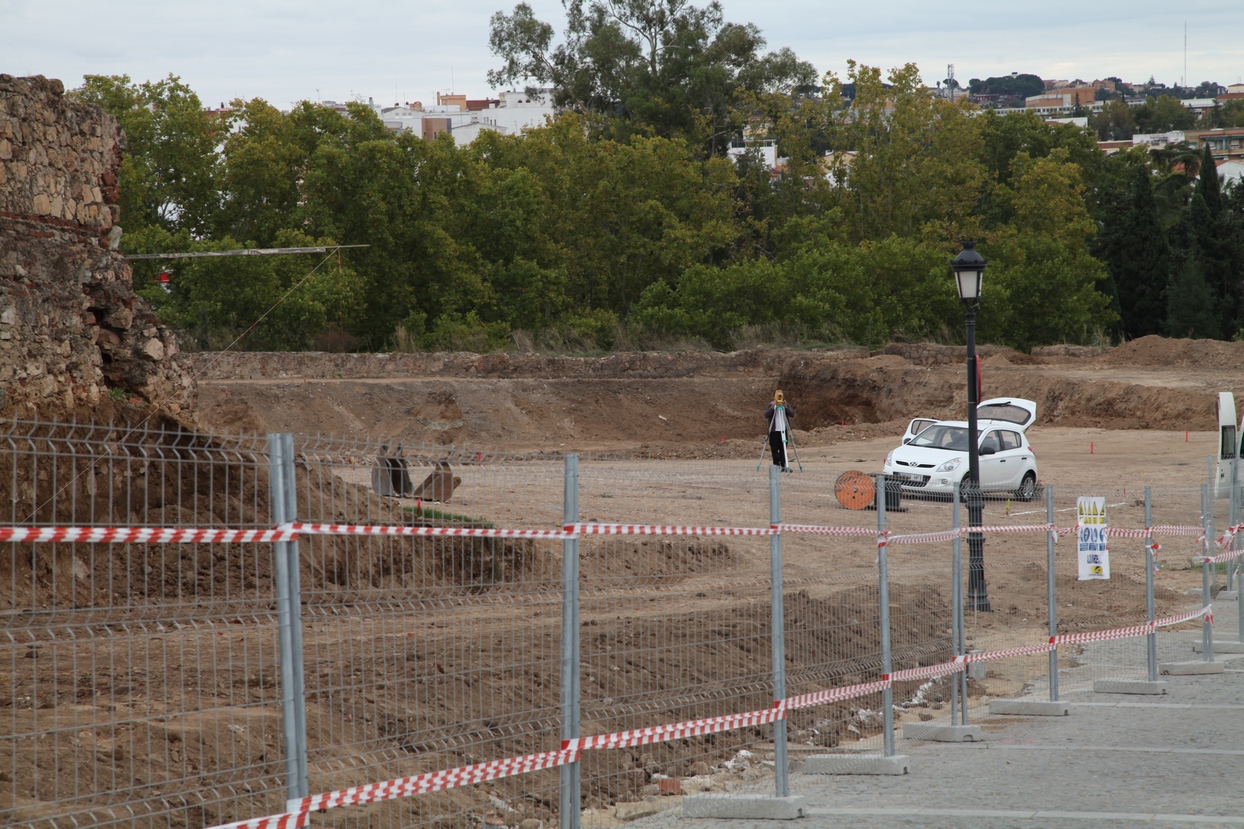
(657, 67)
(611, 228)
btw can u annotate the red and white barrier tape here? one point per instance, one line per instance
(817, 529)
(1229, 534)
(1133, 630)
(401, 530)
(1008, 529)
(925, 672)
(1022, 650)
(1101, 635)
(664, 529)
(1206, 611)
(143, 535)
(1221, 557)
(923, 538)
(288, 820)
(571, 749)
(842, 694)
(435, 781)
(675, 731)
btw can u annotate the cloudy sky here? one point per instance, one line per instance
(290, 50)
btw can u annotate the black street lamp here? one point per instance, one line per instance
(969, 268)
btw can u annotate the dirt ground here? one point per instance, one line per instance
(1141, 413)
(1109, 422)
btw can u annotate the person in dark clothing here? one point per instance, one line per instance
(779, 414)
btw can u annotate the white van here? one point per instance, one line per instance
(1229, 446)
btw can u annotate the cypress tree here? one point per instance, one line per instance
(1138, 258)
(1190, 304)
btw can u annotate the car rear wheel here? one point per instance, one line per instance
(1027, 487)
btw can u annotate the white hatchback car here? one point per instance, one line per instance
(934, 454)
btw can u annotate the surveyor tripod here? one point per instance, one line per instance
(788, 442)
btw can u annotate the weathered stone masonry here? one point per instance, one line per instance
(71, 326)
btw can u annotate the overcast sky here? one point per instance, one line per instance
(290, 50)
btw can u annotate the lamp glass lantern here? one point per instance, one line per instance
(969, 268)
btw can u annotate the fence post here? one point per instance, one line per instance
(1233, 513)
(570, 775)
(956, 623)
(777, 634)
(1051, 598)
(1151, 645)
(284, 614)
(290, 482)
(1207, 526)
(883, 591)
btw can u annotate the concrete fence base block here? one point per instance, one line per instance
(1029, 707)
(1226, 595)
(1124, 686)
(746, 807)
(856, 764)
(1221, 647)
(941, 733)
(1190, 668)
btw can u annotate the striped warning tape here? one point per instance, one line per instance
(846, 692)
(925, 672)
(816, 529)
(1101, 635)
(288, 820)
(143, 535)
(1022, 650)
(402, 530)
(1206, 611)
(924, 538)
(676, 731)
(664, 529)
(1133, 630)
(1221, 557)
(434, 781)
(1145, 532)
(299, 810)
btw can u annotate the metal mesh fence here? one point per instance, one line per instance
(675, 628)
(404, 632)
(137, 679)
(427, 653)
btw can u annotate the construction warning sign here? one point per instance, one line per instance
(1091, 534)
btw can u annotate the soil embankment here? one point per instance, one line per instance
(696, 404)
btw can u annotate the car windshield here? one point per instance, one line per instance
(952, 438)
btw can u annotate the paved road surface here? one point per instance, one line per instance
(1117, 761)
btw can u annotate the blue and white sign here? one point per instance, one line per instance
(1091, 534)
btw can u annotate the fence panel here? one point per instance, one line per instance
(145, 682)
(139, 679)
(832, 613)
(675, 628)
(427, 653)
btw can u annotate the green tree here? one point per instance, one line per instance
(1190, 304)
(169, 171)
(1134, 248)
(1115, 122)
(1163, 114)
(261, 303)
(664, 67)
(1042, 264)
(905, 163)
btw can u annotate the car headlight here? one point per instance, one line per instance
(889, 458)
(950, 465)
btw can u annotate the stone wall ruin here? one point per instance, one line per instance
(72, 330)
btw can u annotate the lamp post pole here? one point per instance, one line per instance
(969, 268)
